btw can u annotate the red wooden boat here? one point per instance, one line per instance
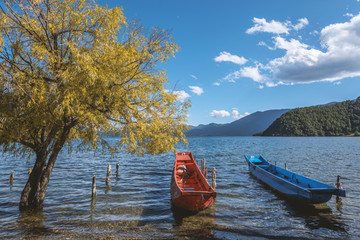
(189, 188)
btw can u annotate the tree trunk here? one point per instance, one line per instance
(33, 195)
(29, 194)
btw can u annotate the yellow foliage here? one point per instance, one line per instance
(71, 64)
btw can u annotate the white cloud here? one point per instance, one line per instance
(181, 95)
(253, 73)
(220, 113)
(232, 77)
(196, 90)
(236, 115)
(302, 23)
(314, 33)
(276, 27)
(292, 45)
(193, 76)
(282, 43)
(262, 43)
(227, 57)
(340, 59)
(261, 25)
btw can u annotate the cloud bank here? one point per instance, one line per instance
(338, 57)
(338, 60)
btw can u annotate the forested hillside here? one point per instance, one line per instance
(339, 119)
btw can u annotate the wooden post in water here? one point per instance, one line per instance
(117, 169)
(11, 179)
(285, 167)
(213, 176)
(108, 175)
(339, 186)
(206, 173)
(201, 166)
(338, 183)
(93, 192)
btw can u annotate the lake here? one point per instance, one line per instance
(137, 204)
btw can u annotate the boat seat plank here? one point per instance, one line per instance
(183, 158)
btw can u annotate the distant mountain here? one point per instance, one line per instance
(337, 119)
(246, 126)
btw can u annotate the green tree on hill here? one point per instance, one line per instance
(337, 119)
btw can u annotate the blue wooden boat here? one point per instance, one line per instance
(292, 185)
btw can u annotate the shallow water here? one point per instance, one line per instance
(138, 205)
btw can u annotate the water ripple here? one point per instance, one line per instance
(137, 204)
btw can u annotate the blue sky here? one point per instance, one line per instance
(239, 57)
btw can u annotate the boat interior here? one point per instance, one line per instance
(287, 175)
(187, 174)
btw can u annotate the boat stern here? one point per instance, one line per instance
(341, 193)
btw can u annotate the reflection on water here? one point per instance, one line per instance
(316, 216)
(137, 203)
(339, 204)
(33, 223)
(196, 225)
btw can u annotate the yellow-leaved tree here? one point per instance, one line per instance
(70, 69)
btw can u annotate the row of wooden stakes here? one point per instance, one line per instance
(107, 180)
(204, 171)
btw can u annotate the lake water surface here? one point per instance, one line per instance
(138, 203)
